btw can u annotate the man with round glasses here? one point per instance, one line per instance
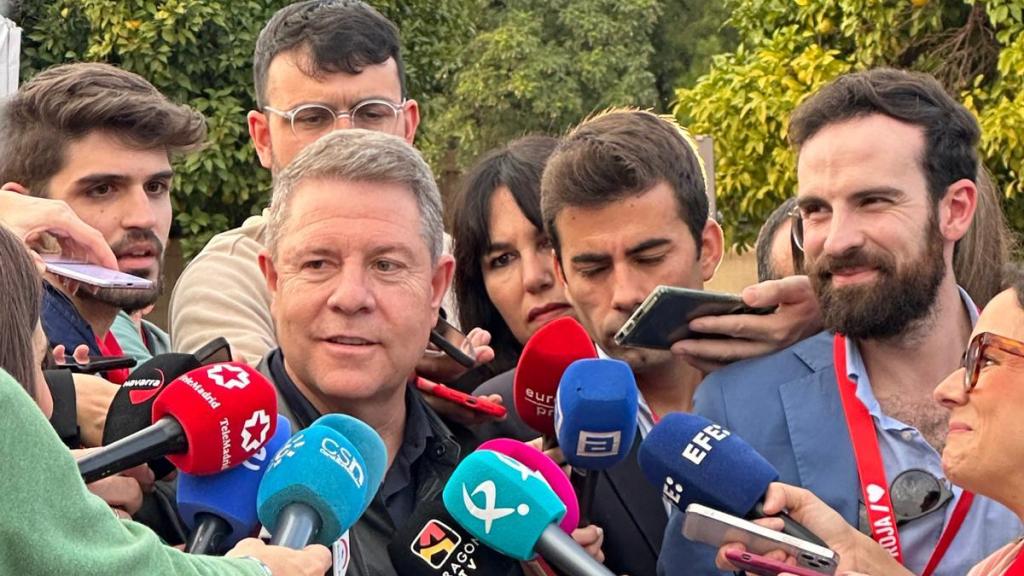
(318, 66)
(887, 166)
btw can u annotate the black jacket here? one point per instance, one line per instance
(626, 505)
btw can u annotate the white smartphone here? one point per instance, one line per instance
(94, 275)
(703, 524)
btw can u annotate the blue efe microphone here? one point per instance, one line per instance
(595, 421)
(315, 488)
(220, 509)
(512, 509)
(696, 461)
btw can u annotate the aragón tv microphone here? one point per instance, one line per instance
(432, 543)
(204, 422)
(316, 487)
(513, 510)
(696, 461)
(545, 357)
(220, 509)
(595, 421)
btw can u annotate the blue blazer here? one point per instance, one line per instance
(787, 406)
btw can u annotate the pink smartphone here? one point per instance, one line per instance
(96, 275)
(762, 566)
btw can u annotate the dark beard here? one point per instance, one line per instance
(890, 306)
(133, 299)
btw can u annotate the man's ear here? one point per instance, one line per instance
(956, 209)
(15, 187)
(269, 272)
(712, 247)
(259, 132)
(411, 117)
(441, 280)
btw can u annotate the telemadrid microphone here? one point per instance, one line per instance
(595, 421)
(220, 509)
(513, 510)
(545, 357)
(131, 409)
(432, 543)
(204, 422)
(315, 488)
(539, 462)
(697, 461)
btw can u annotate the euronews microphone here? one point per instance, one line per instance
(319, 484)
(220, 509)
(697, 461)
(131, 409)
(545, 357)
(513, 510)
(432, 543)
(204, 422)
(595, 421)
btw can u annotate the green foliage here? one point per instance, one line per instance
(540, 66)
(788, 48)
(688, 34)
(199, 52)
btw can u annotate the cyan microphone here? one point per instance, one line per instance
(204, 422)
(595, 421)
(511, 508)
(316, 487)
(697, 461)
(220, 509)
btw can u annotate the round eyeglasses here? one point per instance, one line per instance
(312, 120)
(977, 354)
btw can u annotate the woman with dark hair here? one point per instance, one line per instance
(51, 523)
(504, 273)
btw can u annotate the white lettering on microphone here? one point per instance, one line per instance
(342, 457)
(544, 403)
(225, 438)
(203, 392)
(701, 445)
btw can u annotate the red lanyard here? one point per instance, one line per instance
(110, 347)
(874, 485)
(1017, 568)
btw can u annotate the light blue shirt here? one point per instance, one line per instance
(988, 526)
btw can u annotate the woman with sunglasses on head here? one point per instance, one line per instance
(51, 522)
(983, 453)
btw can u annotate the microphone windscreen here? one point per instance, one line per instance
(595, 413)
(545, 356)
(231, 494)
(432, 543)
(536, 460)
(367, 442)
(501, 502)
(697, 461)
(131, 409)
(228, 411)
(319, 468)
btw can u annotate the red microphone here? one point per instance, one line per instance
(545, 357)
(205, 421)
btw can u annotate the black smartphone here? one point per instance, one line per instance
(213, 352)
(665, 315)
(447, 340)
(97, 364)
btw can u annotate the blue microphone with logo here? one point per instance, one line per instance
(595, 421)
(220, 509)
(512, 509)
(316, 486)
(696, 461)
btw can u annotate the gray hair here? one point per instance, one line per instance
(361, 156)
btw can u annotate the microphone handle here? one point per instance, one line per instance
(584, 482)
(562, 552)
(208, 535)
(790, 526)
(297, 526)
(165, 436)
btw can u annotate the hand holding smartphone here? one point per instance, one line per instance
(96, 364)
(459, 398)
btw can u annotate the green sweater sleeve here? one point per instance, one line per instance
(51, 524)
